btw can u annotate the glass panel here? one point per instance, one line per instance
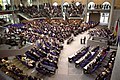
(6, 17)
(30, 2)
(104, 18)
(4, 3)
(87, 17)
(55, 4)
(66, 3)
(91, 5)
(106, 5)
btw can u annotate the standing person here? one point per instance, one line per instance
(81, 40)
(0, 7)
(21, 39)
(84, 39)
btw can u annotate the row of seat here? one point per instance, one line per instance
(70, 40)
(104, 34)
(14, 72)
(80, 53)
(48, 65)
(93, 59)
(26, 61)
(96, 62)
(2, 22)
(99, 32)
(87, 57)
(45, 59)
(48, 62)
(107, 71)
(12, 40)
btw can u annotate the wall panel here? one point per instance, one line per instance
(117, 2)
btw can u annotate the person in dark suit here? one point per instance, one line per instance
(101, 76)
(22, 40)
(84, 40)
(0, 7)
(81, 40)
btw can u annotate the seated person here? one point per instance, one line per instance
(101, 76)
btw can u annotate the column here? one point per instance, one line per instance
(62, 8)
(24, 2)
(85, 11)
(38, 4)
(16, 2)
(50, 1)
(62, 5)
(13, 14)
(12, 4)
(111, 13)
(116, 69)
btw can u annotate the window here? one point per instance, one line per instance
(55, 4)
(1, 2)
(6, 17)
(106, 5)
(104, 18)
(5, 2)
(77, 3)
(30, 2)
(91, 5)
(65, 3)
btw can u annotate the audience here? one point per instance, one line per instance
(48, 36)
(13, 71)
(48, 10)
(2, 22)
(106, 73)
(80, 53)
(89, 56)
(74, 10)
(104, 33)
(93, 65)
(45, 10)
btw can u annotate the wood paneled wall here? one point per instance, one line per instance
(117, 3)
(17, 2)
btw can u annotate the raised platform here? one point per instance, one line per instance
(7, 50)
(29, 19)
(93, 42)
(7, 11)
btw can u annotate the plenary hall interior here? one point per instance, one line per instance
(59, 39)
